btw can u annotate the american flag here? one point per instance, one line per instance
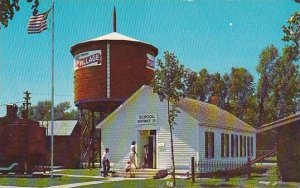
(38, 23)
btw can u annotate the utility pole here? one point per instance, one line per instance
(26, 104)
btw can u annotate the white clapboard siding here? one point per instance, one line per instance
(185, 134)
(119, 129)
(217, 142)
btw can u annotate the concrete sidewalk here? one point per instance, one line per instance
(112, 179)
(77, 184)
(79, 176)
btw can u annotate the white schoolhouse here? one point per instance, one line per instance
(204, 131)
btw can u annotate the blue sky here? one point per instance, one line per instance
(211, 34)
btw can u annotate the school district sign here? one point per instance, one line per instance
(143, 119)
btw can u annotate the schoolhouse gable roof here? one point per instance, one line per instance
(204, 113)
(211, 115)
(127, 102)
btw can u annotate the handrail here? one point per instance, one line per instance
(258, 158)
(9, 167)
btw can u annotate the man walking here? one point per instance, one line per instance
(105, 162)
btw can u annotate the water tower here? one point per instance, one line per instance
(107, 70)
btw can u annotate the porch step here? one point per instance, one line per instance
(143, 173)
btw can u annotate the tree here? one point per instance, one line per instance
(60, 109)
(292, 35)
(265, 69)
(42, 111)
(71, 115)
(197, 85)
(8, 8)
(168, 83)
(219, 89)
(286, 87)
(241, 94)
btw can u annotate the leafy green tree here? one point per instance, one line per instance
(197, 85)
(60, 109)
(286, 84)
(292, 33)
(219, 88)
(241, 93)
(169, 84)
(9, 7)
(224, 103)
(71, 115)
(292, 52)
(265, 69)
(42, 111)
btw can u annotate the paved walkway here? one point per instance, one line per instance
(91, 182)
(77, 184)
(79, 176)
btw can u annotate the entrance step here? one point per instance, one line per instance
(143, 173)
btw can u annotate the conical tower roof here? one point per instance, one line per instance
(114, 36)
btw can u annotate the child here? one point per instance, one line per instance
(128, 168)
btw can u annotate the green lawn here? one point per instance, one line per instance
(272, 159)
(86, 172)
(42, 182)
(233, 182)
(260, 175)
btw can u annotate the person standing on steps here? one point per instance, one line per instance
(146, 153)
(133, 154)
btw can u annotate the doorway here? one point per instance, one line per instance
(147, 148)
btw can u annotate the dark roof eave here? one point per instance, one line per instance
(279, 123)
(228, 128)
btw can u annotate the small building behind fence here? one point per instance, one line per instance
(66, 142)
(288, 145)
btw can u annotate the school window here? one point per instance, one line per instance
(245, 146)
(209, 145)
(248, 147)
(234, 145)
(251, 141)
(224, 145)
(241, 146)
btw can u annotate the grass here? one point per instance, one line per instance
(85, 172)
(272, 159)
(41, 182)
(260, 174)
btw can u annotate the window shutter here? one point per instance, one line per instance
(206, 144)
(222, 144)
(213, 145)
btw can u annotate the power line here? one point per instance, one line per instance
(12, 103)
(47, 94)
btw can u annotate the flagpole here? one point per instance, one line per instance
(52, 92)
